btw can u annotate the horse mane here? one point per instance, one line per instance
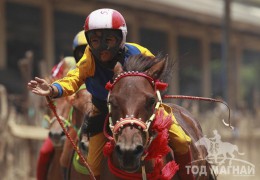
(142, 63)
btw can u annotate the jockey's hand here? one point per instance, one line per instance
(39, 86)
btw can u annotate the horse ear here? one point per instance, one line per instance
(156, 70)
(118, 68)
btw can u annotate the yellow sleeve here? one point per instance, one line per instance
(76, 77)
(143, 50)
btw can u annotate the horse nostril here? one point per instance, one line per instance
(118, 150)
(138, 150)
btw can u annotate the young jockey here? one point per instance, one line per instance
(58, 71)
(105, 31)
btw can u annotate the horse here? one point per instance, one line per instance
(63, 158)
(133, 102)
(57, 137)
(76, 169)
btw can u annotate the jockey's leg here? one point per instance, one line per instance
(95, 153)
(44, 159)
(93, 126)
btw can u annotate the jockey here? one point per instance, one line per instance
(105, 31)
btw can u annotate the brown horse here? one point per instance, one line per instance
(76, 169)
(57, 138)
(61, 165)
(133, 104)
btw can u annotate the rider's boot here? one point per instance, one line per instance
(184, 161)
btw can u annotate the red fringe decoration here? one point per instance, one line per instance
(156, 174)
(165, 173)
(169, 170)
(159, 147)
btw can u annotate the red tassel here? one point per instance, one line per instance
(162, 122)
(108, 149)
(166, 172)
(169, 170)
(156, 174)
(108, 86)
(159, 147)
(161, 85)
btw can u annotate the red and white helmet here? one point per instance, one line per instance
(107, 19)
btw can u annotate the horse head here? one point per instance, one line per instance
(132, 102)
(56, 133)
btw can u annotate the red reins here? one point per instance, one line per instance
(202, 99)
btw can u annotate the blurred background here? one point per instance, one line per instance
(214, 44)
